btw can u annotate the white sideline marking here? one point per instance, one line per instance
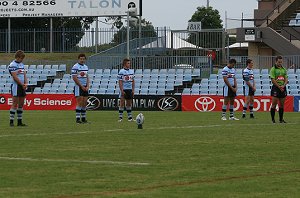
(217, 125)
(65, 133)
(75, 161)
(158, 128)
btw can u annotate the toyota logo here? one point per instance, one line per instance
(93, 103)
(168, 104)
(205, 104)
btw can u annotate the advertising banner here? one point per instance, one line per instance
(297, 103)
(41, 102)
(206, 103)
(140, 102)
(66, 8)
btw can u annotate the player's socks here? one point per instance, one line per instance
(83, 115)
(129, 113)
(12, 113)
(121, 110)
(231, 111)
(244, 111)
(78, 111)
(281, 110)
(251, 111)
(224, 107)
(273, 114)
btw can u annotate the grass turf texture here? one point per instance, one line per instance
(177, 154)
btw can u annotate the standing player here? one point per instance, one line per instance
(126, 85)
(81, 89)
(278, 75)
(18, 87)
(249, 88)
(229, 89)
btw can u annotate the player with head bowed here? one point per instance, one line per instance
(229, 89)
(81, 89)
(18, 87)
(249, 88)
(126, 85)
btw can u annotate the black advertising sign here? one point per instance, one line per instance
(140, 102)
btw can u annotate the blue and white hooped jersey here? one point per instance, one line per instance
(127, 76)
(18, 68)
(81, 71)
(248, 76)
(230, 74)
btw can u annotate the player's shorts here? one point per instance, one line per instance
(248, 91)
(17, 91)
(276, 92)
(128, 94)
(227, 92)
(79, 92)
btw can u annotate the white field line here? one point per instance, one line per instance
(158, 128)
(75, 161)
(60, 133)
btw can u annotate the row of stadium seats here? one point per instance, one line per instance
(61, 67)
(262, 71)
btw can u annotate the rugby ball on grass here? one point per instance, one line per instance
(140, 119)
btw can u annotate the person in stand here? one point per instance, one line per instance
(18, 88)
(278, 75)
(126, 85)
(81, 89)
(229, 89)
(249, 88)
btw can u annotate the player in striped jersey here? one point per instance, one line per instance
(81, 89)
(126, 85)
(229, 89)
(18, 87)
(249, 88)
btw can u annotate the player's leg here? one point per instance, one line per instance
(129, 109)
(78, 108)
(20, 111)
(225, 102)
(281, 109)
(13, 110)
(273, 108)
(121, 107)
(14, 106)
(83, 109)
(245, 107)
(251, 104)
(231, 108)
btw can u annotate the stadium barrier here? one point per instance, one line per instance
(202, 103)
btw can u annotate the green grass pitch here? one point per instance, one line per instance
(176, 154)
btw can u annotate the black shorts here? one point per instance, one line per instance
(128, 94)
(227, 92)
(19, 89)
(276, 92)
(248, 92)
(79, 92)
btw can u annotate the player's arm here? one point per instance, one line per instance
(121, 87)
(16, 78)
(87, 82)
(25, 81)
(133, 86)
(247, 80)
(227, 83)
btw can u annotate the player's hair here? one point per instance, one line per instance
(125, 60)
(248, 61)
(232, 61)
(278, 57)
(81, 55)
(19, 54)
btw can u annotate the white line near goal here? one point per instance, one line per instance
(75, 161)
